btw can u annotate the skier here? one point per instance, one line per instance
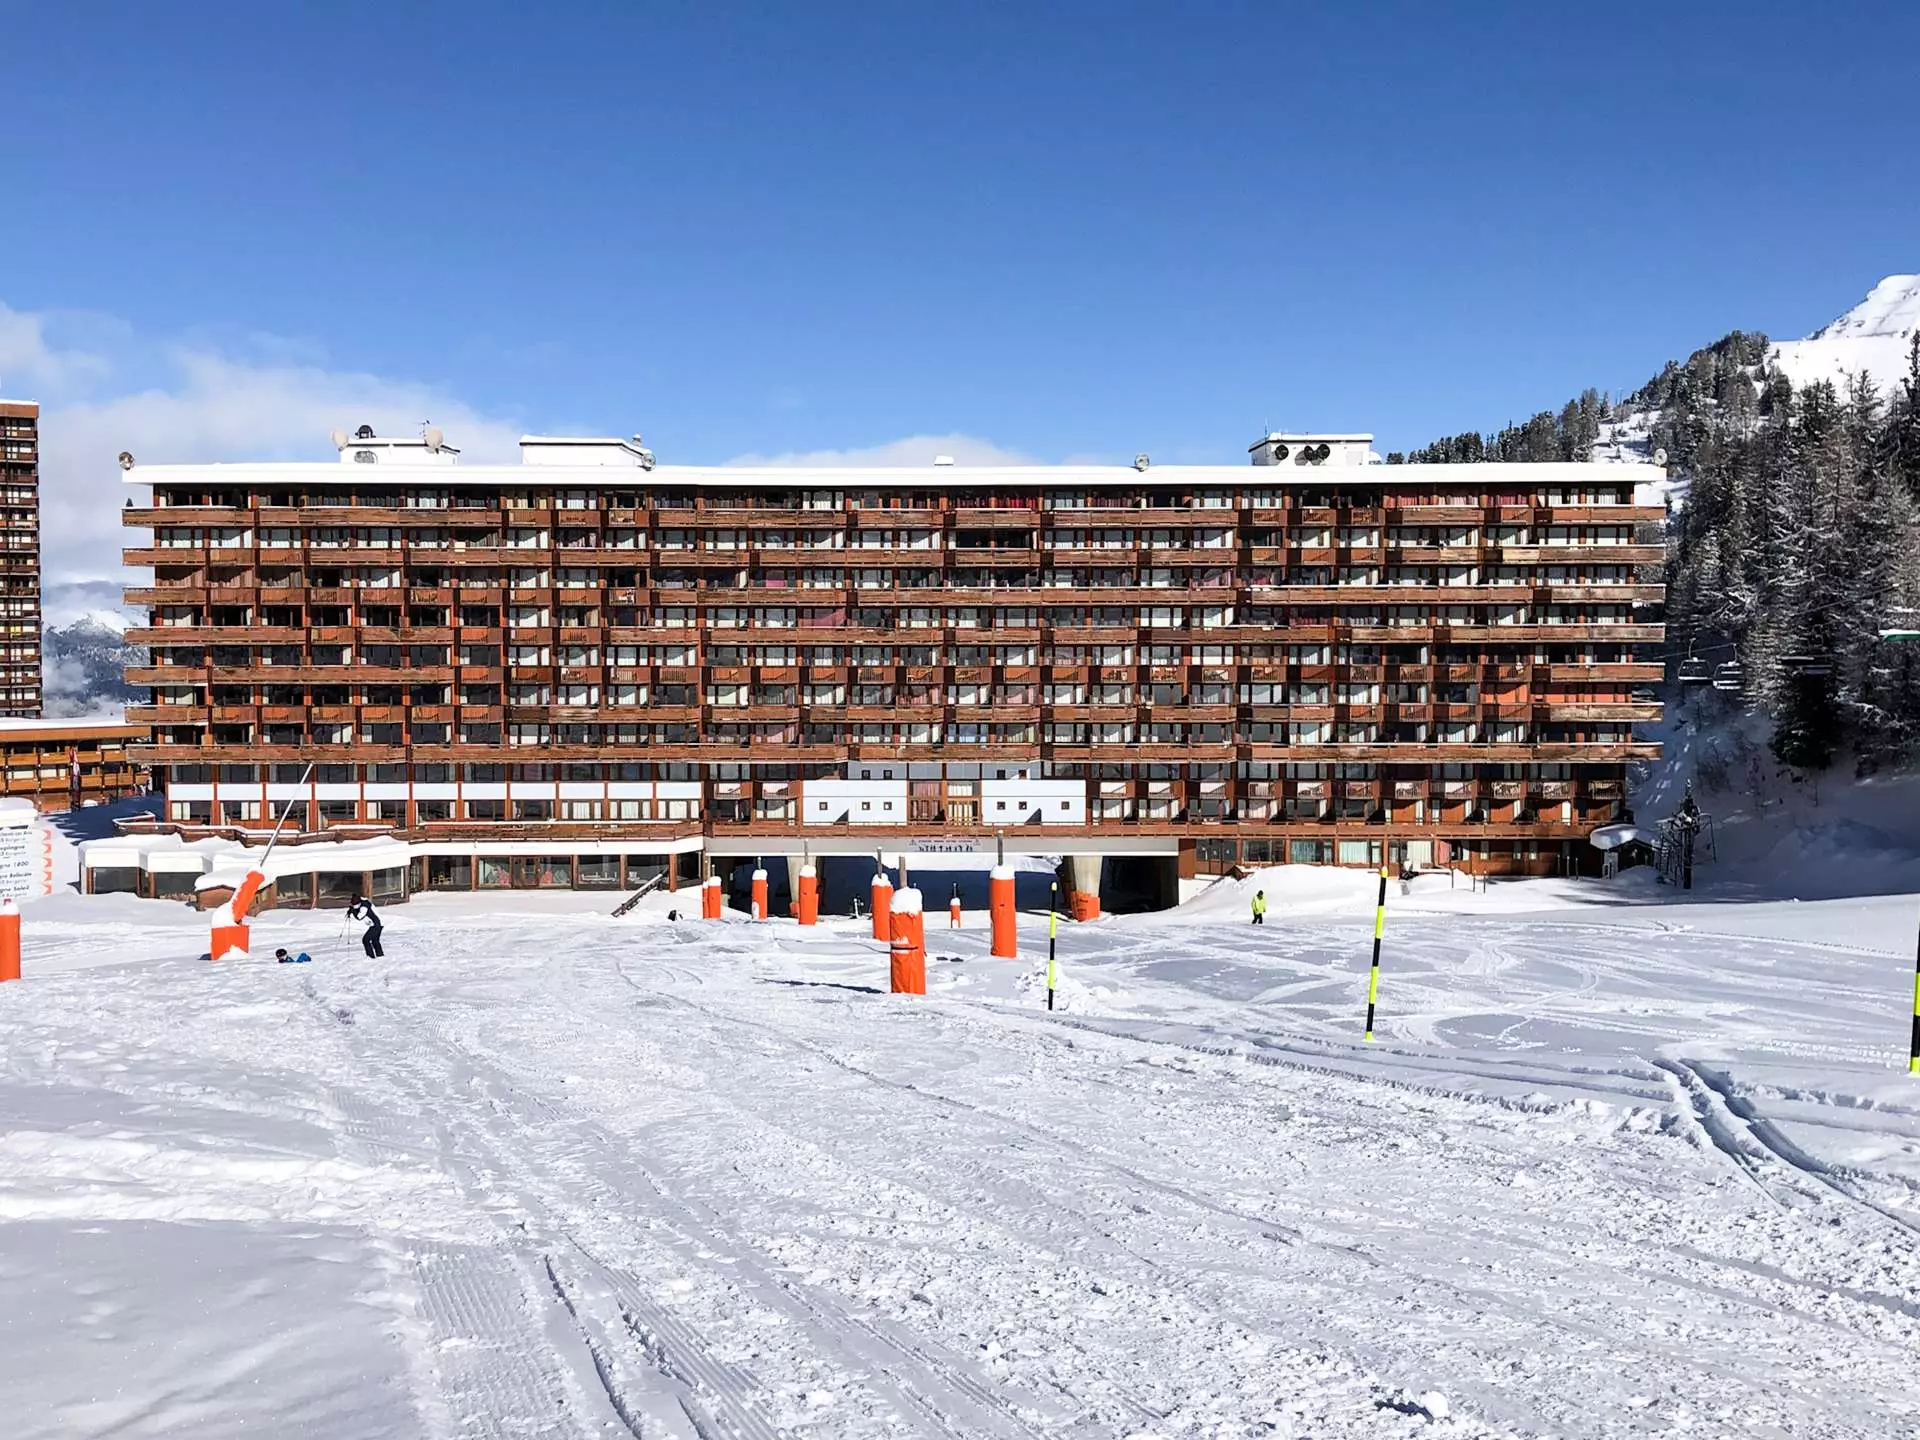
(1259, 907)
(285, 959)
(358, 908)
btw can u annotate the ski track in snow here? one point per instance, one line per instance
(1635, 1176)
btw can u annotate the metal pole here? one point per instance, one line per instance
(1053, 929)
(1913, 1046)
(285, 810)
(1379, 926)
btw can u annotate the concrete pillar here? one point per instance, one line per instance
(794, 862)
(1083, 885)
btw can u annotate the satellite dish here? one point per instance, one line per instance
(1660, 457)
(435, 437)
(1141, 461)
(339, 438)
(365, 432)
(126, 459)
(1280, 452)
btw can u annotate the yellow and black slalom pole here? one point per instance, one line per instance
(1379, 927)
(1053, 929)
(1913, 1046)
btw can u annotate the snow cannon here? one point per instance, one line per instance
(1000, 912)
(759, 894)
(908, 944)
(231, 935)
(9, 940)
(712, 901)
(882, 906)
(806, 900)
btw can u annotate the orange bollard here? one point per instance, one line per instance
(9, 940)
(953, 912)
(882, 906)
(712, 902)
(807, 901)
(919, 917)
(231, 934)
(1000, 910)
(759, 894)
(1083, 905)
(908, 950)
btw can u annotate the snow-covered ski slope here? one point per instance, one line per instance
(1615, 1167)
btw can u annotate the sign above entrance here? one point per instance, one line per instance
(956, 845)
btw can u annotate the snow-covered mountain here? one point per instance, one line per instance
(1874, 337)
(82, 664)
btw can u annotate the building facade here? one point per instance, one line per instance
(19, 558)
(64, 764)
(590, 662)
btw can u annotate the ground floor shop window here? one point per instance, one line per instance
(114, 880)
(598, 872)
(542, 872)
(173, 882)
(1308, 852)
(390, 885)
(339, 887)
(642, 868)
(444, 872)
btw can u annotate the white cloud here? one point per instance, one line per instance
(193, 403)
(105, 388)
(914, 450)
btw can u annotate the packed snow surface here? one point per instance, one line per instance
(1616, 1166)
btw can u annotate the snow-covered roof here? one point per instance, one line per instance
(16, 725)
(1612, 837)
(856, 477)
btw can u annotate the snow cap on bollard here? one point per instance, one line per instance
(806, 898)
(9, 940)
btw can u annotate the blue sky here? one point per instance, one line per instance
(1064, 230)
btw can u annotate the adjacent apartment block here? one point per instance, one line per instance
(575, 669)
(19, 558)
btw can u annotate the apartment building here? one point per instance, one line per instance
(64, 764)
(585, 668)
(19, 558)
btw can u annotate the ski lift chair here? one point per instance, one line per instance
(1694, 672)
(1810, 665)
(1729, 676)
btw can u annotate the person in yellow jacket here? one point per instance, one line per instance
(1259, 907)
